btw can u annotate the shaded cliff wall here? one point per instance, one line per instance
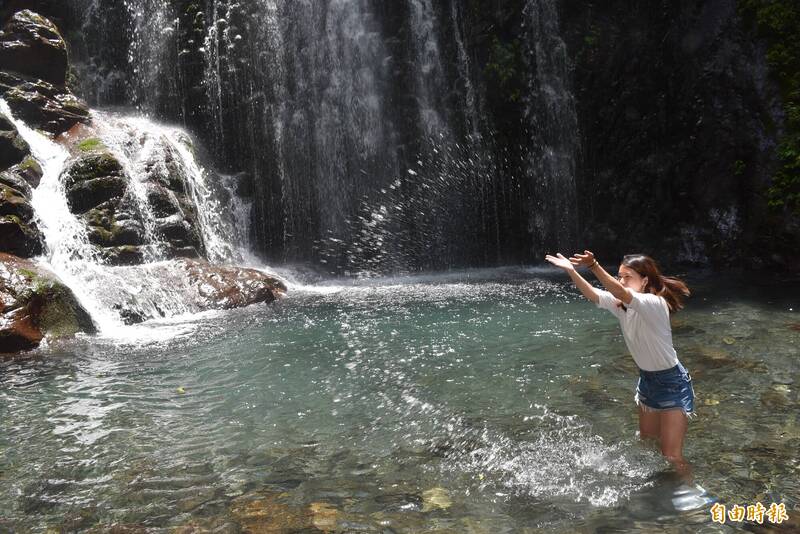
(679, 118)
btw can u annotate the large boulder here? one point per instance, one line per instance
(34, 303)
(33, 71)
(227, 286)
(32, 45)
(194, 285)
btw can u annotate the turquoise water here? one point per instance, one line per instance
(481, 401)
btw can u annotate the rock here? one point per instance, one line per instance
(34, 303)
(28, 171)
(20, 238)
(122, 255)
(19, 234)
(225, 287)
(97, 188)
(13, 202)
(13, 148)
(262, 512)
(90, 193)
(41, 104)
(30, 44)
(196, 283)
(435, 498)
(323, 516)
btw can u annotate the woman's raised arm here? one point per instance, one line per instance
(580, 282)
(609, 282)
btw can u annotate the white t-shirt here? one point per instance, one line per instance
(645, 327)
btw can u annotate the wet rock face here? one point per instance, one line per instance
(19, 172)
(126, 228)
(33, 71)
(32, 45)
(226, 287)
(34, 303)
(198, 283)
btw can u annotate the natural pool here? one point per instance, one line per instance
(480, 401)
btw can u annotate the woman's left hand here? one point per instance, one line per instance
(560, 261)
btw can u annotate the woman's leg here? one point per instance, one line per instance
(649, 424)
(673, 430)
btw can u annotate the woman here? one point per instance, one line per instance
(643, 299)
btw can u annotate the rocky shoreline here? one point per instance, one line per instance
(34, 302)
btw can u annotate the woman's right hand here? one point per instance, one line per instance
(583, 260)
(560, 261)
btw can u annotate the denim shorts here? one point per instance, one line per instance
(668, 389)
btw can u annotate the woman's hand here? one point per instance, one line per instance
(560, 261)
(582, 260)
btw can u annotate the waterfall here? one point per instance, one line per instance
(554, 128)
(428, 70)
(324, 105)
(144, 147)
(156, 288)
(472, 113)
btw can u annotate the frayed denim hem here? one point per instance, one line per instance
(690, 415)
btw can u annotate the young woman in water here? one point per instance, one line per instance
(643, 299)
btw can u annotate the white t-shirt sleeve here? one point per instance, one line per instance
(609, 302)
(652, 308)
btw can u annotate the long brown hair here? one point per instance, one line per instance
(672, 289)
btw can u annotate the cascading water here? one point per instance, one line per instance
(554, 127)
(146, 148)
(324, 105)
(428, 70)
(156, 288)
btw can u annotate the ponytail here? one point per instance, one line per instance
(673, 290)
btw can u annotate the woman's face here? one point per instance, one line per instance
(630, 279)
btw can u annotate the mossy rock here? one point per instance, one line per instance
(91, 145)
(20, 238)
(14, 202)
(13, 149)
(90, 166)
(37, 303)
(30, 170)
(123, 255)
(90, 193)
(15, 182)
(61, 314)
(41, 104)
(126, 232)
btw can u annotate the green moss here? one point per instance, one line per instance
(31, 164)
(27, 273)
(95, 165)
(778, 23)
(739, 167)
(506, 67)
(93, 143)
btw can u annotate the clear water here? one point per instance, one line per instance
(482, 401)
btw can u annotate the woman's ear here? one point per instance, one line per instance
(645, 281)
